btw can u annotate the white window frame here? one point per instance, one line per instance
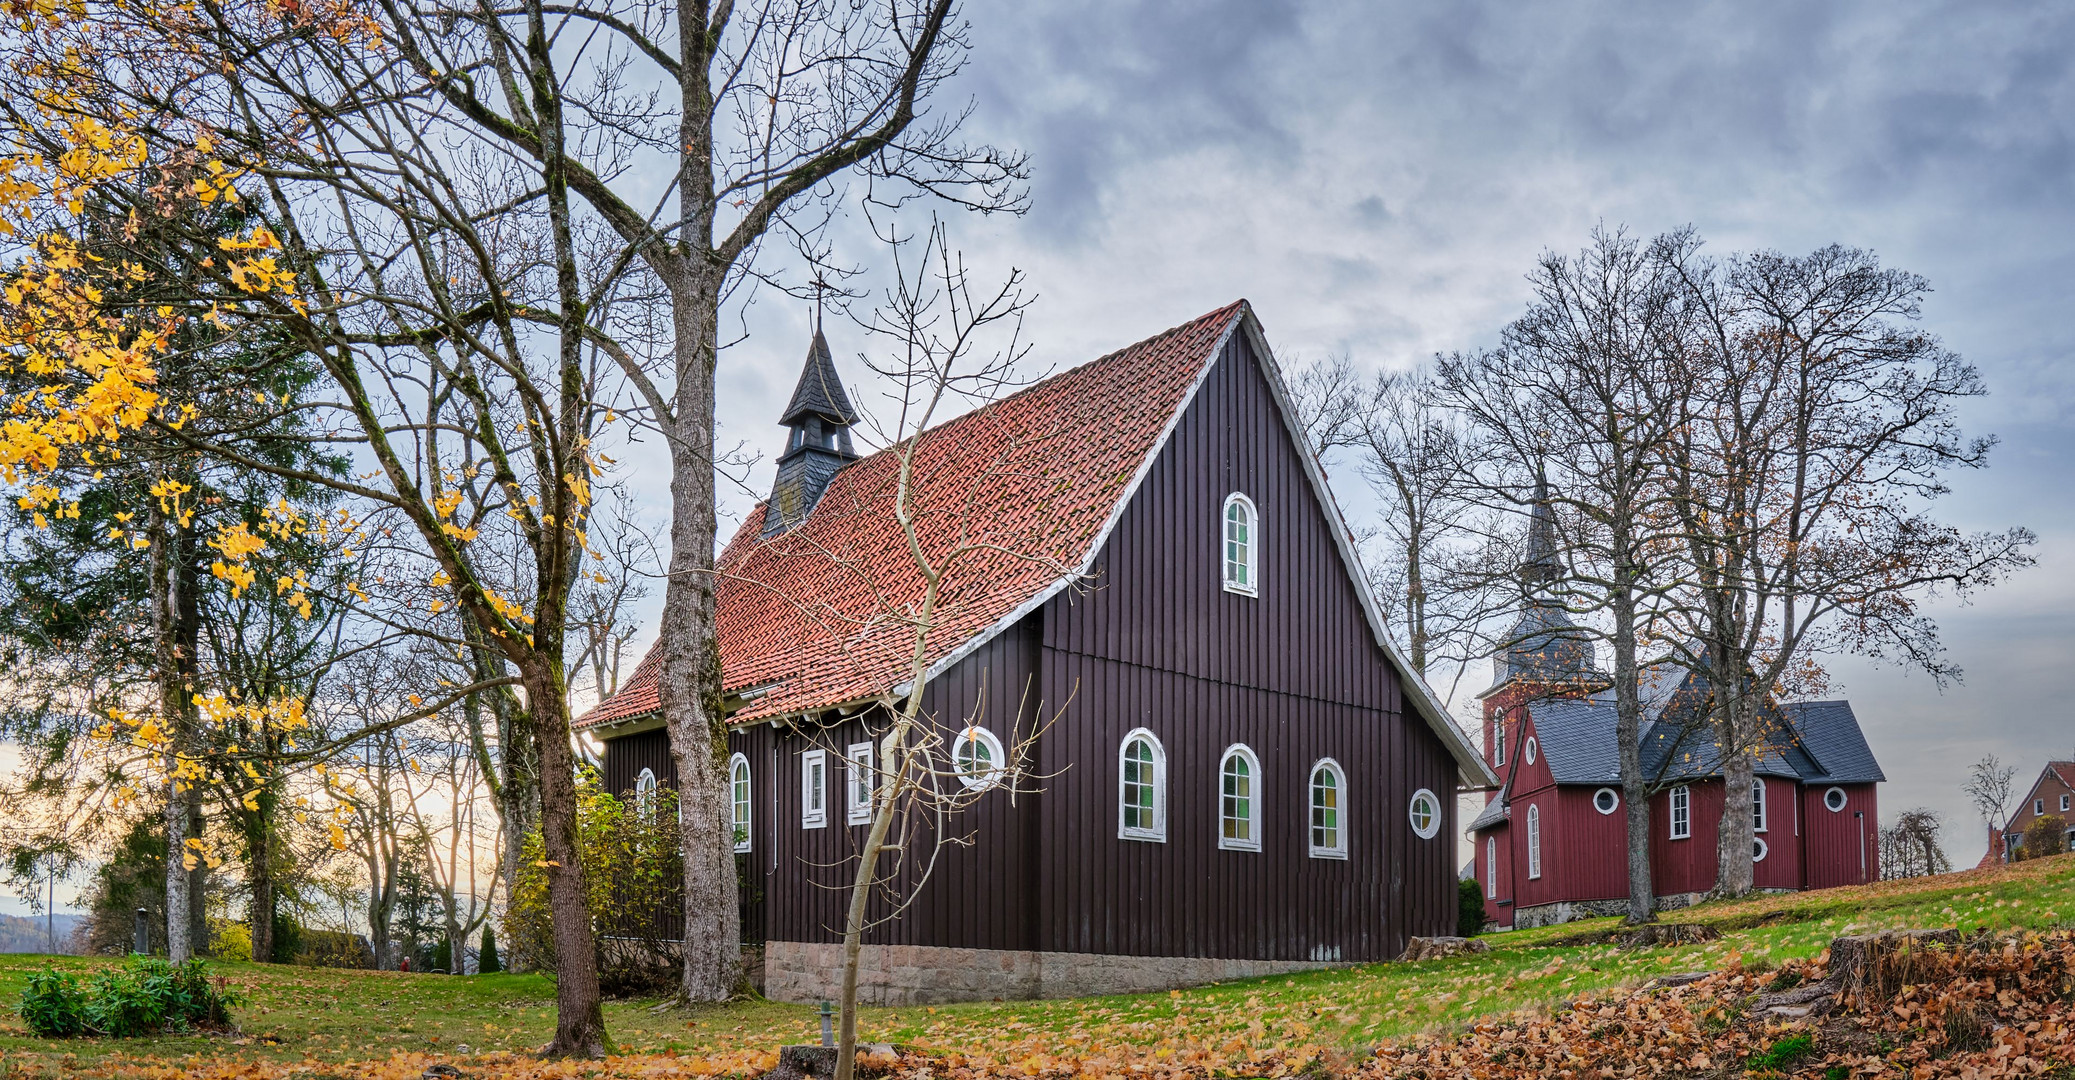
(814, 789)
(741, 800)
(1534, 841)
(1491, 868)
(1498, 738)
(1433, 828)
(1611, 807)
(1528, 750)
(1157, 832)
(2038, 806)
(1245, 755)
(1758, 814)
(2064, 804)
(1680, 813)
(1250, 561)
(1338, 848)
(1759, 849)
(857, 783)
(977, 735)
(1844, 799)
(645, 793)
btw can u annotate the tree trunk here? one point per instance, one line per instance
(165, 604)
(1737, 838)
(691, 676)
(1635, 790)
(260, 857)
(580, 1017)
(893, 773)
(197, 879)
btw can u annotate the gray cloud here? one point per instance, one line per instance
(1378, 177)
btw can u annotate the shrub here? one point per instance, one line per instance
(2046, 835)
(143, 997)
(486, 961)
(633, 881)
(1469, 908)
(54, 1005)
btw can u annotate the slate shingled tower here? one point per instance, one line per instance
(1544, 645)
(818, 445)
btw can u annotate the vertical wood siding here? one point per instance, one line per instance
(1832, 841)
(1156, 642)
(1293, 673)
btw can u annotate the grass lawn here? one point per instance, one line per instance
(320, 1015)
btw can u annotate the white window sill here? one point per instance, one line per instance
(813, 823)
(1147, 835)
(1327, 853)
(1238, 845)
(1242, 590)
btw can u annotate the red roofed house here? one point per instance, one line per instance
(2052, 795)
(1244, 779)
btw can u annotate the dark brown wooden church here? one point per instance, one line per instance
(1244, 777)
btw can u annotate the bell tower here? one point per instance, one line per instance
(817, 442)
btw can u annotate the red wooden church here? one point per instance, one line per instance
(1551, 844)
(1244, 778)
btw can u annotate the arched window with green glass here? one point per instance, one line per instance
(1142, 788)
(1328, 810)
(1239, 799)
(1241, 531)
(739, 790)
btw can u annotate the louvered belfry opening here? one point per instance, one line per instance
(817, 442)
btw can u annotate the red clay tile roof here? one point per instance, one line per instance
(1021, 491)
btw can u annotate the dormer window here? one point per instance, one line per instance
(1242, 545)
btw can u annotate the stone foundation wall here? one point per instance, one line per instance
(1566, 911)
(928, 975)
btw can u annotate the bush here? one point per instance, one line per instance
(2047, 835)
(486, 961)
(633, 880)
(144, 997)
(1469, 908)
(54, 1005)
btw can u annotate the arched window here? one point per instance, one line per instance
(1757, 805)
(1498, 738)
(645, 792)
(739, 791)
(1142, 788)
(1534, 841)
(1239, 799)
(1242, 546)
(1491, 868)
(1328, 810)
(1682, 812)
(978, 757)
(1606, 800)
(1834, 800)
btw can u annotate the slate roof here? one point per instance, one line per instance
(820, 389)
(1493, 813)
(1576, 738)
(810, 619)
(1831, 733)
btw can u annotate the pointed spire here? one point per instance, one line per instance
(1542, 565)
(820, 391)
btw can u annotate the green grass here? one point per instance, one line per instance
(298, 1013)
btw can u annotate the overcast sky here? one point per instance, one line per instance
(1377, 178)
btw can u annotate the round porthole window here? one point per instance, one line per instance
(1606, 800)
(1834, 800)
(1758, 850)
(1425, 814)
(977, 755)
(1530, 750)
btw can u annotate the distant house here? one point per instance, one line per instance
(2052, 795)
(1246, 778)
(1552, 844)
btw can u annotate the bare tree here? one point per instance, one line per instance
(1327, 395)
(1814, 425)
(1573, 395)
(1909, 848)
(1988, 788)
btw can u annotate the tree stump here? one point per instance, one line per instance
(1435, 948)
(1870, 968)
